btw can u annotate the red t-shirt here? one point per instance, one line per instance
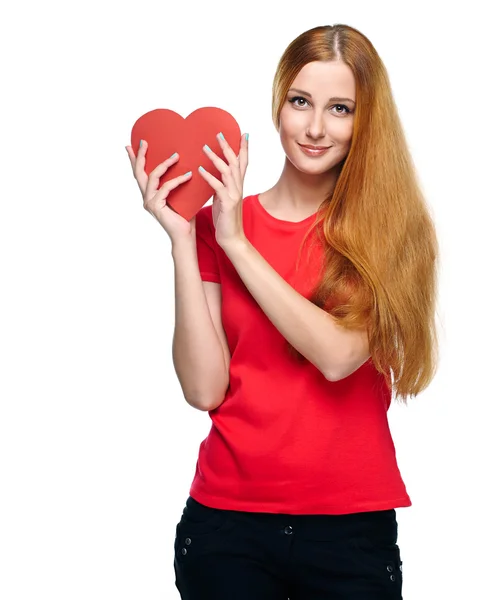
(285, 439)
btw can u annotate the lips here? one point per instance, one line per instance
(313, 151)
(314, 147)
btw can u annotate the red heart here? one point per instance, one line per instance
(167, 132)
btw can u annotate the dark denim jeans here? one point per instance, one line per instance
(234, 555)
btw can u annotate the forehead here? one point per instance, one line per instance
(326, 78)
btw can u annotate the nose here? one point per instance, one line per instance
(316, 129)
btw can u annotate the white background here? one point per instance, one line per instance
(97, 445)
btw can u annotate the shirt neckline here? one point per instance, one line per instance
(280, 222)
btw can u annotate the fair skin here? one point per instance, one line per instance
(335, 351)
(312, 119)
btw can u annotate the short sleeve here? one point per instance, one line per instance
(205, 243)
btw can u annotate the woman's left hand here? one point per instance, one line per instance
(228, 197)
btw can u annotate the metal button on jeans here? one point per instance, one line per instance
(392, 577)
(188, 541)
(184, 551)
(288, 530)
(389, 568)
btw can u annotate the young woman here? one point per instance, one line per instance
(299, 311)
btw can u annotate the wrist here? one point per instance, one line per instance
(183, 245)
(235, 245)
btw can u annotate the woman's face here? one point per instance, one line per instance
(319, 111)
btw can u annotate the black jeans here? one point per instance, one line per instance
(235, 555)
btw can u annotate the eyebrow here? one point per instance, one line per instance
(333, 99)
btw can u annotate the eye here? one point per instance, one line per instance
(292, 101)
(346, 109)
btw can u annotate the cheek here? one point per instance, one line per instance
(341, 130)
(290, 123)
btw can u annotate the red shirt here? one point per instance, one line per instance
(285, 439)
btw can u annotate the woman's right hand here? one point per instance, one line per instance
(155, 201)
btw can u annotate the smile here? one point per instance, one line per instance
(313, 150)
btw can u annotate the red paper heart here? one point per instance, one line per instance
(167, 132)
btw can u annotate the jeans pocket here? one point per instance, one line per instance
(201, 529)
(381, 554)
(199, 519)
(211, 523)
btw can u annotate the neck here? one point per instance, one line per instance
(301, 192)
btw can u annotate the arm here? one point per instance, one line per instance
(200, 351)
(335, 351)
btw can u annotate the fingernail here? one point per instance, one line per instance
(141, 142)
(246, 136)
(174, 155)
(206, 147)
(188, 173)
(202, 169)
(221, 135)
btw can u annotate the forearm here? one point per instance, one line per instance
(335, 351)
(197, 352)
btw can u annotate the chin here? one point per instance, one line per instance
(316, 167)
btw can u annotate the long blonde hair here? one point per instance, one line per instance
(379, 270)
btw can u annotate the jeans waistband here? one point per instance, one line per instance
(379, 524)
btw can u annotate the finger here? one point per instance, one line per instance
(139, 169)
(229, 174)
(157, 173)
(219, 163)
(227, 151)
(228, 185)
(243, 156)
(171, 185)
(131, 156)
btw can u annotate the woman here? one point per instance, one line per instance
(298, 311)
